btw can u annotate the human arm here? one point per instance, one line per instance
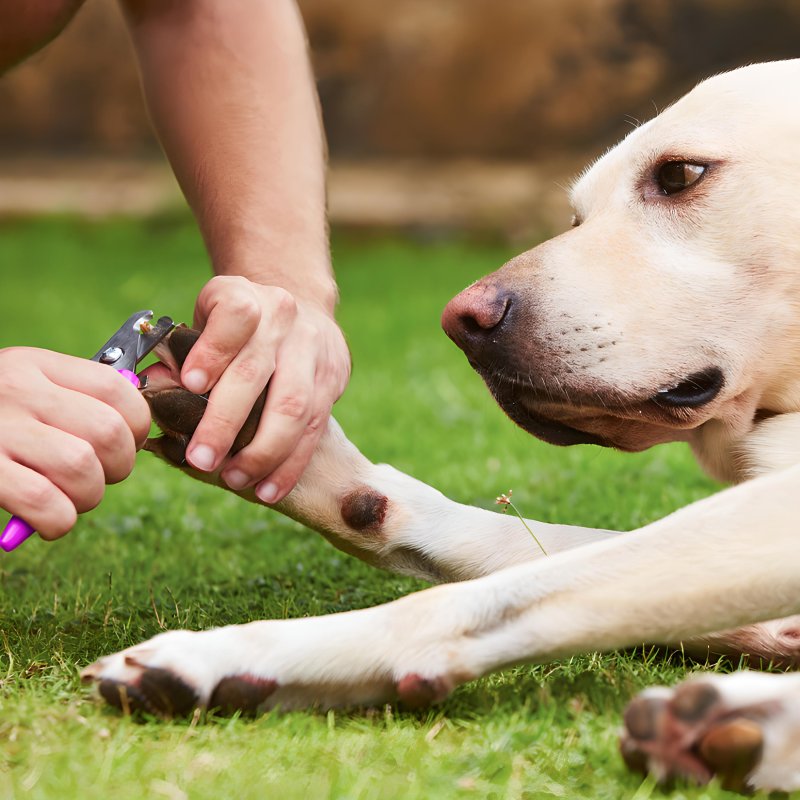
(231, 95)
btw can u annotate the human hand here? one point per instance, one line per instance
(253, 335)
(68, 427)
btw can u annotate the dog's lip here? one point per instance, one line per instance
(514, 398)
(542, 411)
(549, 430)
(695, 391)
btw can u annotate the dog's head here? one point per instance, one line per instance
(673, 300)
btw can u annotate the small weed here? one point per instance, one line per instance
(506, 501)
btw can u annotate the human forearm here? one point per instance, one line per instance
(231, 95)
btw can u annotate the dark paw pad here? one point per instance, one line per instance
(244, 693)
(644, 717)
(125, 697)
(364, 509)
(167, 693)
(170, 448)
(175, 410)
(414, 691)
(158, 691)
(181, 341)
(694, 701)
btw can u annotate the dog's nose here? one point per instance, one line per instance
(473, 318)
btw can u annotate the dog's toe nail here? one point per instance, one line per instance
(244, 693)
(692, 701)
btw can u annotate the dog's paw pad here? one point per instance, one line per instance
(733, 750)
(176, 410)
(155, 691)
(123, 696)
(694, 701)
(168, 694)
(644, 716)
(245, 693)
(414, 691)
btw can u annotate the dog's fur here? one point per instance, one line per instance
(588, 337)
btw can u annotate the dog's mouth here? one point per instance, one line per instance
(603, 416)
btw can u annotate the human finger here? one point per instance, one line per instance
(228, 313)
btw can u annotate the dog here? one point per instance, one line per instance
(670, 311)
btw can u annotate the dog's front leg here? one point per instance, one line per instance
(368, 510)
(676, 578)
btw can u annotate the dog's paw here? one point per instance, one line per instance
(316, 662)
(177, 411)
(177, 672)
(742, 728)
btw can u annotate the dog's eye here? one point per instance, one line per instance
(675, 176)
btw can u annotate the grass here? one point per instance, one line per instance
(162, 552)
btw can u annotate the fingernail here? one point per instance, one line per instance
(196, 380)
(202, 457)
(235, 478)
(267, 492)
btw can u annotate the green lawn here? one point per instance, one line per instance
(164, 552)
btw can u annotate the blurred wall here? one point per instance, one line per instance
(426, 78)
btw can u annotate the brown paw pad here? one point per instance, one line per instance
(414, 691)
(170, 448)
(364, 509)
(181, 341)
(244, 693)
(175, 410)
(158, 691)
(732, 750)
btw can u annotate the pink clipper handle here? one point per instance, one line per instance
(17, 530)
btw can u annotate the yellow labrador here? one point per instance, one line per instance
(670, 311)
